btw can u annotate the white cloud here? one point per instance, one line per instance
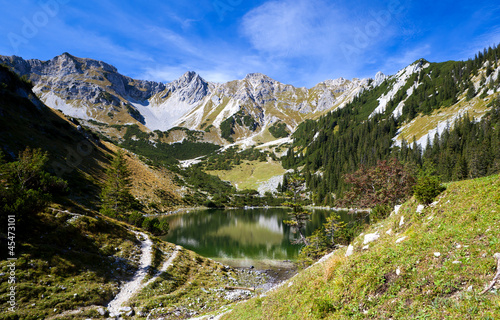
(293, 28)
(316, 39)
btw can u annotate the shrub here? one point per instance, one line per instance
(26, 188)
(163, 227)
(427, 189)
(148, 224)
(388, 183)
(379, 212)
(136, 219)
(279, 130)
(156, 226)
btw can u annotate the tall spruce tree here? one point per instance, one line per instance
(298, 216)
(115, 195)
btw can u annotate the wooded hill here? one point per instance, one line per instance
(343, 140)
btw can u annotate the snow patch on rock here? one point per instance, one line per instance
(420, 208)
(270, 185)
(396, 208)
(401, 239)
(55, 102)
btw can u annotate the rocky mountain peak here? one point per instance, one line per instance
(334, 82)
(379, 78)
(70, 62)
(20, 66)
(190, 87)
(188, 77)
(255, 75)
(259, 77)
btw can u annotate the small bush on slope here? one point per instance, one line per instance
(427, 189)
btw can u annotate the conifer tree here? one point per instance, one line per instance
(471, 93)
(115, 195)
(298, 216)
(25, 187)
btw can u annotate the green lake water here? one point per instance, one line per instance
(241, 237)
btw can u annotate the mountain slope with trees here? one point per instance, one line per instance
(362, 133)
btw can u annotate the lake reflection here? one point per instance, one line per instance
(239, 234)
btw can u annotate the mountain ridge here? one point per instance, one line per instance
(94, 90)
(245, 112)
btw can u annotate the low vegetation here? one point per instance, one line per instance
(162, 153)
(279, 130)
(432, 264)
(192, 286)
(68, 259)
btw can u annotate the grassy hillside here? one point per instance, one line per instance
(428, 265)
(250, 174)
(72, 263)
(67, 260)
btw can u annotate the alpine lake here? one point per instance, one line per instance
(245, 238)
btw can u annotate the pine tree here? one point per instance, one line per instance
(115, 195)
(299, 216)
(471, 93)
(25, 187)
(460, 171)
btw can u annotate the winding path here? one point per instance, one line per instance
(133, 286)
(166, 264)
(136, 284)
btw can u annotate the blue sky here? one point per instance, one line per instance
(300, 42)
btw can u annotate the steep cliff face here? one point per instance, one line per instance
(91, 89)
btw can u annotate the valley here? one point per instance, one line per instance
(185, 199)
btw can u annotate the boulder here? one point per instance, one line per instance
(349, 251)
(103, 311)
(371, 237)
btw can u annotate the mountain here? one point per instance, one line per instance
(76, 154)
(443, 117)
(72, 261)
(355, 122)
(242, 109)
